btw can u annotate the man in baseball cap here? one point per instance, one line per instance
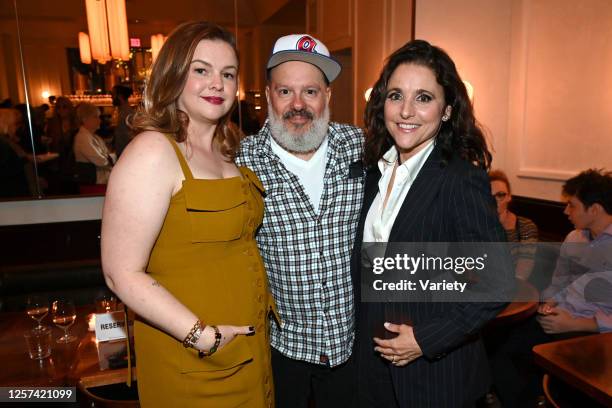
(302, 47)
(311, 171)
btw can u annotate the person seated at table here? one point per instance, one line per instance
(62, 127)
(519, 229)
(88, 146)
(13, 178)
(178, 231)
(60, 130)
(122, 133)
(579, 299)
(31, 131)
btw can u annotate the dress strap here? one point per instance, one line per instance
(181, 158)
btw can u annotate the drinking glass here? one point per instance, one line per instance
(106, 303)
(37, 308)
(38, 342)
(64, 315)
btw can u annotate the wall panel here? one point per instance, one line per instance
(541, 74)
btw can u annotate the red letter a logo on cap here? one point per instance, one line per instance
(306, 43)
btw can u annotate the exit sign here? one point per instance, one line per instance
(134, 42)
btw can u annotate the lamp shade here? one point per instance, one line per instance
(84, 48)
(117, 29)
(157, 40)
(98, 31)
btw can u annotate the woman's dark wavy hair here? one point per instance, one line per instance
(159, 110)
(460, 135)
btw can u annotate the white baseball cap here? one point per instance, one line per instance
(303, 47)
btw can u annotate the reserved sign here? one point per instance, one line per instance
(110, 326)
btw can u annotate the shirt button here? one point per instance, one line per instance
(259, 283)
(260, 298)
(260, 314)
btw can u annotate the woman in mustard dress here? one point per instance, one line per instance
(178, 235)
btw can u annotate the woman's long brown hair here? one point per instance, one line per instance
(159, 110)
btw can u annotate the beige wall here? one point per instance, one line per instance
(11, 78)
(361, 34)
(44, 52)
(476, 34)
(46, 69)
(541, 74)
(381, 27)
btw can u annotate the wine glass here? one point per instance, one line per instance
(37, 308)
(64, 315)
(106, 303)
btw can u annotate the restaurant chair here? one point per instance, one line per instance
(84, 173)
(549, 389)
(95, 399)
(561, 395)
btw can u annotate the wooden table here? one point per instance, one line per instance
(583, 362)
(525, 304)
(87, 366)
(67, 364)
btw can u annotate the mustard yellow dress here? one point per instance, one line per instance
(207, 257)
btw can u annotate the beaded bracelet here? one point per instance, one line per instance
(194, 334)
(215, 346)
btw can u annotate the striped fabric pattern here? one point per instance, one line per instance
(447, 203)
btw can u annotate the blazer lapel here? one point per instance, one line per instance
(422, 192)
(371, 189)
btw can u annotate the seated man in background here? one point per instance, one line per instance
(579, 299)
(122, 133)
(518, 229)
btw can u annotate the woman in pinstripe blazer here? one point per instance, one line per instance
(426, 182)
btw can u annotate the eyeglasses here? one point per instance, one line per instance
(500, 195)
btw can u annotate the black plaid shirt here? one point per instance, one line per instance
(307, 254)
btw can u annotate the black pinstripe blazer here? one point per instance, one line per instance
(449, 202)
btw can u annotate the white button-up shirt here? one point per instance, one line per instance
(381, 217)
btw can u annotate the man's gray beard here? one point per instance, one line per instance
(306, 142)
